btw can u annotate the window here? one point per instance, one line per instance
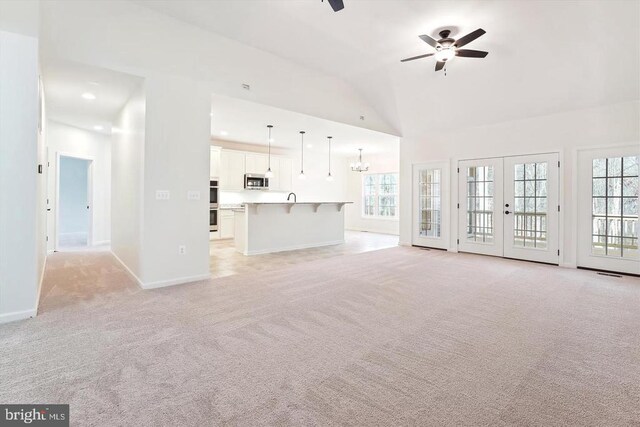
(615, 207)
(380, 195)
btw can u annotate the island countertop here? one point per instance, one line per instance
(295, 203)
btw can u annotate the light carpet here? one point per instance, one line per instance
(398, 336)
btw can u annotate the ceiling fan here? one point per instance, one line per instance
(336, 5)
(448, 48)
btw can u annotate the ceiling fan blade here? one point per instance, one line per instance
(416, 57)
(468, 53)
(439, 65)
(469, 37)
(336, 5)
(429, 40)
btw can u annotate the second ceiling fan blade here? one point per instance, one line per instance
(336, 5)
(429, 40)
(416, 57)
(469, 53)
(439, 65)
(469, 37)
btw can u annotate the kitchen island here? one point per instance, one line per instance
(262, 228)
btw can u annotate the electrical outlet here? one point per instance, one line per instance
(182, 249)
(163, 194)
(193, 195)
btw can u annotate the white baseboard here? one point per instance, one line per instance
(178, 281)
(294, 247)
(17, 315)
(162, 283)
(404, 243)
(138, 281)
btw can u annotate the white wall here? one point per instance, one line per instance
(381, 163)
(564, 133)
(127, 164)
(72, 141)
(22, 249)
(176, 158)
(315, 186)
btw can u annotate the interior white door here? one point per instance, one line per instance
(430, 201)
(531, 208)
(480, 213)
(608, 191)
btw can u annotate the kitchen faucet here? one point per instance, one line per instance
(295, 199)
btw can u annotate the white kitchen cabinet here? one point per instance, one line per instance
(256, 163)
(214, 163)
(232, 167)
(227, 224)
(284, 175)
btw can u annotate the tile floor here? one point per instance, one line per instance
(225, 261)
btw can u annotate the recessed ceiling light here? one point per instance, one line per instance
(272, 140)
(224, 133)
(309, 145)
(88, 96)
(98, 127)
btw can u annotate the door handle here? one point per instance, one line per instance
(507, 212)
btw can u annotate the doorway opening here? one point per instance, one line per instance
(74, 219)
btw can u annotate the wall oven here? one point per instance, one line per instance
(213, 205)
(255, 182)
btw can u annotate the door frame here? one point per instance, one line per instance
(575, 182)
(561, 198)
(445, 202)
(90, 192)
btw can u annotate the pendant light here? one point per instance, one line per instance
(302, 175)
(329, 176)
(359, 166)
(269, 173)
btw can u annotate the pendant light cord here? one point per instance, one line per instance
(302, 148)
(329, 154)
(269, 126)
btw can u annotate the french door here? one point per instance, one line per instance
(431, 205)
(608, 190)
(509, 207)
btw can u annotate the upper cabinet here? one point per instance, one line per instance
(214, 163)
(256, 163)
(282, 168)
(232, 170)
(229, 167)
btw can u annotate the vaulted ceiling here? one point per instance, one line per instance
(545, 56)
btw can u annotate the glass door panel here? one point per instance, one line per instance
(480, 215)
(531, 207)
(608, 190)
(430, 190)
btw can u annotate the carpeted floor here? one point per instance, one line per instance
(398, 336)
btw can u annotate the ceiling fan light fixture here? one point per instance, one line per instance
(445, 54)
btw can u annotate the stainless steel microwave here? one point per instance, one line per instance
(255, 182)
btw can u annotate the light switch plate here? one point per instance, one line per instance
(163, 194)
(193, 195)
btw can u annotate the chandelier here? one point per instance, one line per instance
(359, 166)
